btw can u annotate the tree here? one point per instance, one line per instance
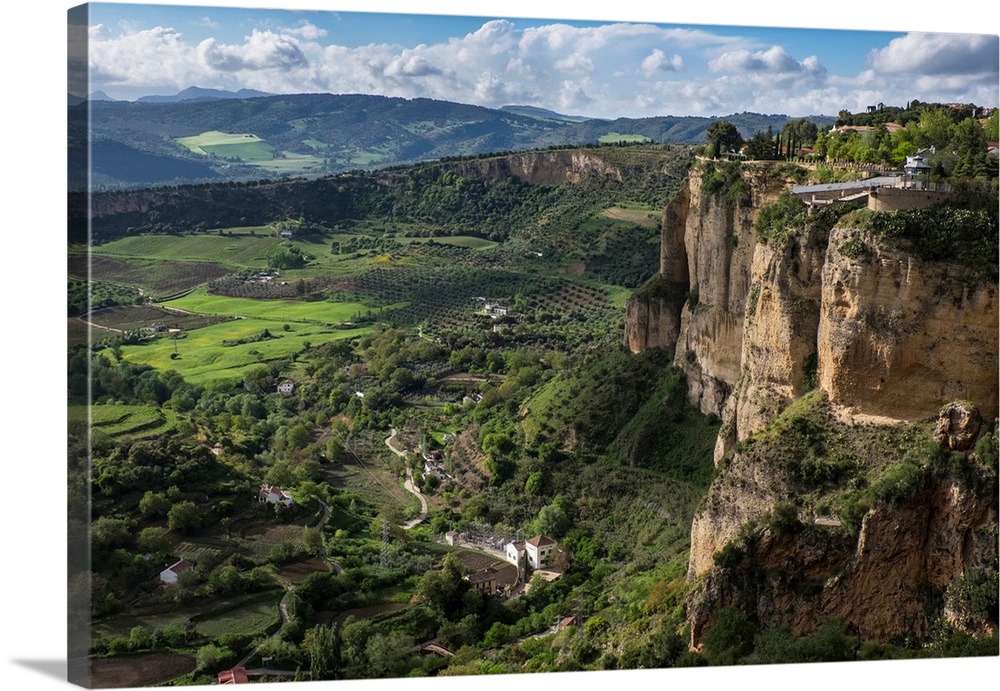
(722, 136)
(970, 147)
(552, 520)
(154, 504)
(153, 540)
(184, 517)
(322, 645)
(760, 147)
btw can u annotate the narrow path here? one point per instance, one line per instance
(409, 485)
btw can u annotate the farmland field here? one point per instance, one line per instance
(615, 137)
(157, 279)
(229, 250)
(77, 332)
(139, 670)
(646, 218)
(248, 147)
(132, 317)
(286, 310)
(202, 357)
(125, 421)
(251, 619)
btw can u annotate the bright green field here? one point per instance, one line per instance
(202, 357)
(232, 250)
(288, 310)
(613, 137)
(248, 147)
(131, 421)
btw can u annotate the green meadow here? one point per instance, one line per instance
(200, 355)
(285, 310)
(247, 147)
(230, 250)
(124, 421)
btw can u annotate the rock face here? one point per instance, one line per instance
(885, 582)
(958, 426)
(898, 337)
(719, 247)
(653, 313)
(887, 339)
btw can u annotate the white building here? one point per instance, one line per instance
(540, 550)
(286, 387)
(172, 573)
(515, 552)
(269, 494)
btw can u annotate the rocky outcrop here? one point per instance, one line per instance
(887, 339)
(779, 336)
(541, 168)
(958, 426)
(887, 583)
(653, 313)
(899, 336)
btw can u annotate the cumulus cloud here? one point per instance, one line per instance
(307, 31)
(589, 70)
(938, 54)
(657, 61)
(410, 66)
(262, 50)
(774, 60)
(100, 32)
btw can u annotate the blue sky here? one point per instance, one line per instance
(603, 68)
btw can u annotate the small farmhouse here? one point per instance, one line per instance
(540, 550)
(269, 494)
(286, 387)
(484, 581)
(237, 675)
(172, 573)
(515, 552)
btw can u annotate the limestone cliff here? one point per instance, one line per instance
(899, 336)
(881, 523)
(653, 313)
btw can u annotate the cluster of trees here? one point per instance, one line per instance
(958, 139)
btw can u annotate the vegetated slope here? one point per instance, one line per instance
(347, 132)
(550, 208)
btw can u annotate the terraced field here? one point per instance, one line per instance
(125, 421)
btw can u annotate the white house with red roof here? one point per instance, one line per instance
(172, 573)
(540, 550)
(515, 552)
(270, 494)
(286, 387)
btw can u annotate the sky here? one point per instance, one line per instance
(608, 68)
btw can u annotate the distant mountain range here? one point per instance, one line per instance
(202, 135)
(195, 93)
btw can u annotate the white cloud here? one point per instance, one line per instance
(307, 31)
(773, 60)
(657, 61)
(938, 54)
(262, 50)
(590, 70)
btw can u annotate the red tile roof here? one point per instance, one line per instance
(234, 676)
(541, 541)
